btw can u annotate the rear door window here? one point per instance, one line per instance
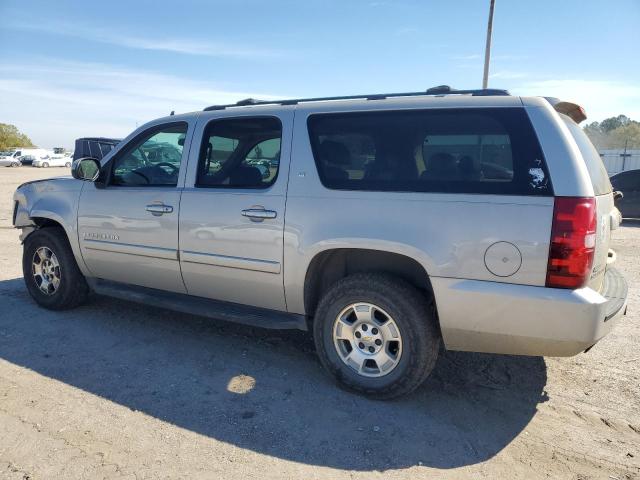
(240, 153)
(597, 170)
(476, 150)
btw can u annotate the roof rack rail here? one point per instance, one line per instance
(434, 91)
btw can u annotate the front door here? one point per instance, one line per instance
(232, 209)
(128, 230)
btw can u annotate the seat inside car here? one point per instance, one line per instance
(245, 176)
(441, 166)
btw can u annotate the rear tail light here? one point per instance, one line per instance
(573, 242)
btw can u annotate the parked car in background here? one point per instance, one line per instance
(8, 160)
(475, 218)
(28, 159)
(27, 155)
(629, 184)
(55, 160)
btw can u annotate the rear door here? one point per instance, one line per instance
(604, 201)
(233, 208)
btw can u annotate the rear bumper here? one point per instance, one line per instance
(496, 317)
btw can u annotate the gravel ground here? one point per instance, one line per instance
(118, 390)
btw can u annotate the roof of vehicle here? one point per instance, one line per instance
(434, 91)
(439, 97)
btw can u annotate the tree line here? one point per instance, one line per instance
(11, 137)
(614, 132)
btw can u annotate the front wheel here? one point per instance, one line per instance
(15, 164)
(68, 165)
(50, 271)
(377, 335)
(45, 165)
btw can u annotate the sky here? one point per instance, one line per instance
(73, 69)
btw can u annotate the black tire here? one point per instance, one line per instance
(72, 289)
(68, 165)
(414, 315)
(45, 165)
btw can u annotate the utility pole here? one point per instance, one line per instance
(487, 48)
(625, 155)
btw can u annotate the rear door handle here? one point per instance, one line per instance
(258, 213)
(159, 209)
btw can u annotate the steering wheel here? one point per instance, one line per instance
(174, 169)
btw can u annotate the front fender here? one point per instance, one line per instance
(52, 201)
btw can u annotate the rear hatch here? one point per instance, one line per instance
(606, 213)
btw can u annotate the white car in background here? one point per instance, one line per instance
(55, 160)
(23, 156)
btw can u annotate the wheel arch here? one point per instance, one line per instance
(329, 266)
(39, 219)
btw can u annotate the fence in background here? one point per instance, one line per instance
(617, 161)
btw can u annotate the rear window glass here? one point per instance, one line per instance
(492, 151)
(597, 170)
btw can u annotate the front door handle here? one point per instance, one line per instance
(158, 209)
(258, 213)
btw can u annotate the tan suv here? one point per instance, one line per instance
(386, 224)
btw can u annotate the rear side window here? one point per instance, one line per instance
(493, 151)
(597, 171)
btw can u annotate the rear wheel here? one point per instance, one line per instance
(377, 335)
(50, 271)
(68, 165)
(45, 164)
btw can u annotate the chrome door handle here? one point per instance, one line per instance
(258, 213)
(159, 209)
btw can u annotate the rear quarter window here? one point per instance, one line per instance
(474, 150)
(597, 171)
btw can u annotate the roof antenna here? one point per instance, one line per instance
(173, 112)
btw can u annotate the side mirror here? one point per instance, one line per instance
(617, 195)
(86, 168)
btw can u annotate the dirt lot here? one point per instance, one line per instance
(118, 390)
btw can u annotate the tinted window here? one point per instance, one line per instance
(105, 148)
(597, 170)
(453, 150)
(152, 159)
(627, 181)
(240, 153)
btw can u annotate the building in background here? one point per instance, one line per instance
(620, 160)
